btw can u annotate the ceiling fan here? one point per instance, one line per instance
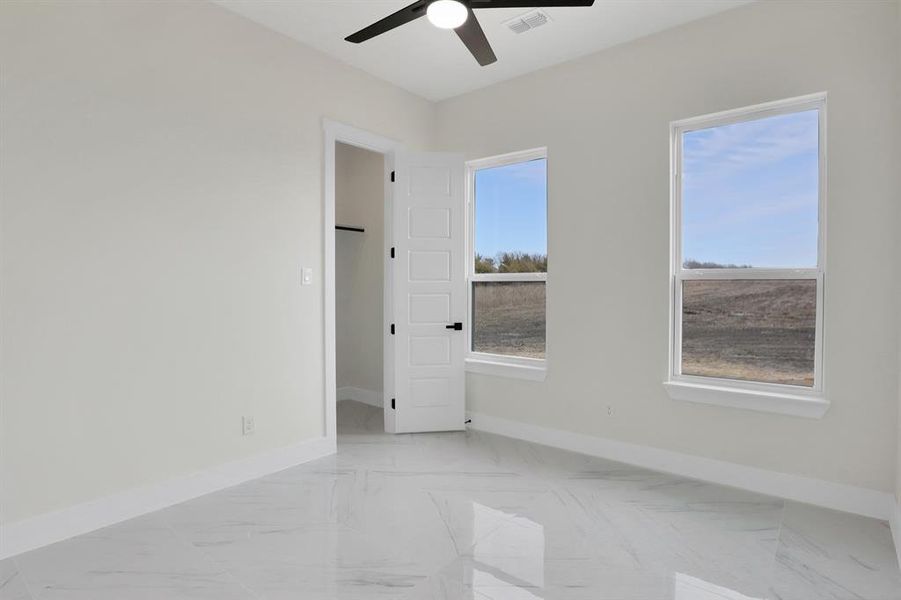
(456, 15)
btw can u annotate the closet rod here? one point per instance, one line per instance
(349, 228)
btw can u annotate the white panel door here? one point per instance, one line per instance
(429, 292)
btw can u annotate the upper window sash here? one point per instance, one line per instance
(770, 109)
(472, 166)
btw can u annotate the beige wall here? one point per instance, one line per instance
(359, 267)
(605, 120)
(161, 168)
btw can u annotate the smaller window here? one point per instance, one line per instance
(507, 263)
(747, 272)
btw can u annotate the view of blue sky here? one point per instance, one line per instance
(749, 196)
(511, 208)
(750, 192)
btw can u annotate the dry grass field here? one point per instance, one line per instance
(750, 330)
(747, 330)
(509, 318)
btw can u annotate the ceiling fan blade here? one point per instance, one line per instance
(527, 3)
(401, 17)
(474, 38)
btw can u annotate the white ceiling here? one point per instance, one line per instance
(434, 64)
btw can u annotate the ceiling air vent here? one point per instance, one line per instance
(530, 20)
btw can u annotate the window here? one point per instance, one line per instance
(747, 272)
(507, 264)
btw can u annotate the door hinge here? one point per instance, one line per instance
(392, 251)
(392, 176)
(392, 329)
(392, 403)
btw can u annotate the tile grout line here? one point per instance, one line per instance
(28, 588)
(200, 551)
(775, 564)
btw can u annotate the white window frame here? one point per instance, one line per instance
(768, 397)
(534, 369)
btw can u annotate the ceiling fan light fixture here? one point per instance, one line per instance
(459, 15)
(447, 14)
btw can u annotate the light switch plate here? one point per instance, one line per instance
(306, 276)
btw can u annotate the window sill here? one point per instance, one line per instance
(797, 405)
(501, 368)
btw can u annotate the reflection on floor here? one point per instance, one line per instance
(467, 516)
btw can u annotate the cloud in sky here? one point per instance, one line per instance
(728, 150)
(750, 192)
(529, 172)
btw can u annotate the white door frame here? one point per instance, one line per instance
(339, 132)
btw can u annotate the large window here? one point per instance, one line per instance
(508, 263)
(748, 268)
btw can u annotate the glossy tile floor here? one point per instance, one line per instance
(467, 516)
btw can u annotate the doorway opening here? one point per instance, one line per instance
(423, 286)
(357, 168)
(359, 289)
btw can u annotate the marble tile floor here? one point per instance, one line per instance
(467, 516)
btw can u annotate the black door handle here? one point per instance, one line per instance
(456, 326)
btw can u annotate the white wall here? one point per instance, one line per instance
(604, 119)
(160, 175)
(359, 267)
(161, 169)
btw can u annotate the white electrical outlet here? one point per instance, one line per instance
(247, 425)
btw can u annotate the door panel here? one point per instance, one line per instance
(429, 223)
(430, 309)
(429, 292)
(430, 392)
(430, 266)
(430, 351)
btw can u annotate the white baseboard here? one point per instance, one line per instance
(895, 523)
(360, 395)
(846, 498)
(45, 529)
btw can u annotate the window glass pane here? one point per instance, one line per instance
(753, 330)
(511, 218)
(509, 318)
(750, 193)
